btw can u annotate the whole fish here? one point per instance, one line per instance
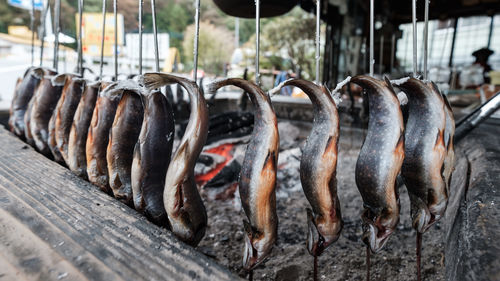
(122, 140)
(425, 152)
(98, 136)
(77, 160)
(46, 98)
(186, 212)
(23, 93)
(257, 182)
(449, 134)
(152, 157)
(318, 168)
(65, 112)
(379, 162)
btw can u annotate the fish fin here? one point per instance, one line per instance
(440, 138)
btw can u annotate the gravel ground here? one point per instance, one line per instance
(345, 259)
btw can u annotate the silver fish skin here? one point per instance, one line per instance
(122, 140)
(318, 168)
(186, 212)
(77, 159)
(257, 182)
(152, 155)
(425, 152)
(380, 161)
(45, 100)
(449, 135)
(98, 136)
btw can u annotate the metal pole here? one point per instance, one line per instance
(32, 26)
(414, 20)
(393, 51)
(57, 12)
(372, 16)
(102, 37)
(426, 37)
(115, 14)
(80, 43)
(491, 31)
(257, 41)
(155, 35)
(196, 37)
(141, 3)
(381, 55)
(453, 40)
(318, 54)
(42, 22)
(237, 32)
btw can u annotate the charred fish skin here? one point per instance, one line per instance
(449, 135)
(122, 140)
(425, 153)
(318, 169)
(46, 99)
(98, 137)
(23, 94)
(186, 212)
(77, 160)
(257, 182)
(380, 161)
(152, 157)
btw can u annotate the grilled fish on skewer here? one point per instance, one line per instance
(152, 156)
(46, 98)
(425, 152)
(258, 175)
(98, 136)
(122, 140)
(182, 201)
(318, 168)
(379, 162)
(77, 160)
(25, 89)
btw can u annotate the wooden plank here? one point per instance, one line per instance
(72, 230)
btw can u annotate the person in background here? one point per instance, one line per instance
(282, 77)
(482, 56)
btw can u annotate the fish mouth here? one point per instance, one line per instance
(374, 237)
(422, 219)
(316, 242)
(253, 256)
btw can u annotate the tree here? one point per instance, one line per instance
(215, 46)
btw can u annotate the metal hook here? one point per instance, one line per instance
(42, 22)
(426, 37)
(32, 27)
(115, 14)
(372, 16)
(141, 3)
(153, 13)
(80, 43)
(57, 12)
(196, 39)
(257, 41)
(414, 20)
(102, 37)
(318, 55)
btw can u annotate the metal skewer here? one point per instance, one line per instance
(141, 3)
(57, 12)
(102, 37)
(257, 41)
(414, 20)
(42, 22)
(155, 35)
(318, 22)
(393, 50)
(381, 56)
(32, 27)
(426, 37)
(115, 14)
(80, 43)
(196, 38)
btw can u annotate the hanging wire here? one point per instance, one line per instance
(57, 12)
(32, 27)
(426, 37)
(42, 22)
(103, 34)
(257, 41)
(196, 39)
(414, 20)
(318, 55)
(115, 14)
(80, 43)
(153, 13)
(141, 3)
(372, 18)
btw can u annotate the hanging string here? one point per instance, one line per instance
(115, 14)
(102, 37)
(32, 27)
(141, 3)
(426, 37)
(57, 11)
(157, 59)
(372, 16)
(318, 55)
(80, 43)
(257, 41)
(196, 39)
(414, 20)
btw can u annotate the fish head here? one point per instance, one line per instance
(321, 235)
(257, 247)
(377, 229)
